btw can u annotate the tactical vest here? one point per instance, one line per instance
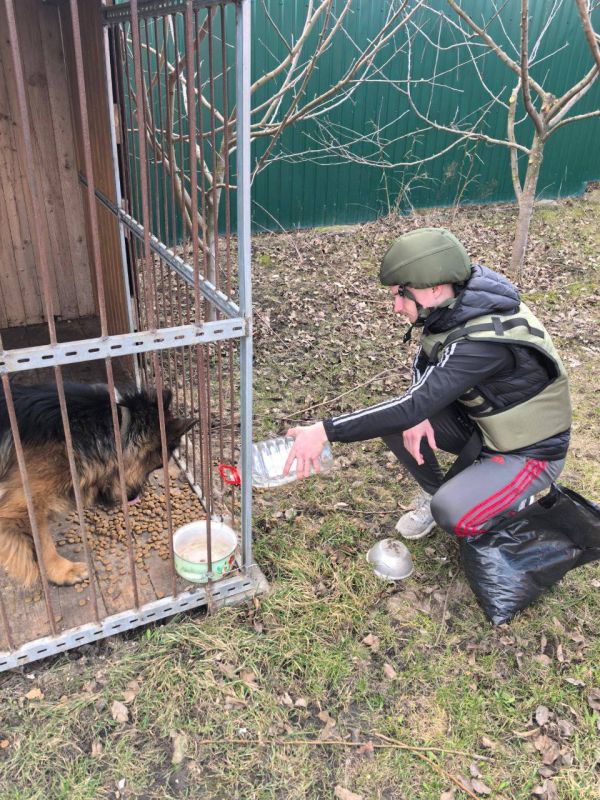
(524, 423)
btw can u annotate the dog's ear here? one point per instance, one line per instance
(167, 398)
(177, 426)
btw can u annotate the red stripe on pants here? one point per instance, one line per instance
(500, 500)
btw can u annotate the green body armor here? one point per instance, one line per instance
(545, 414)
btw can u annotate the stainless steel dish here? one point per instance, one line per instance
(390, 559)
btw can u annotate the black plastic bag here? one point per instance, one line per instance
(509, 568)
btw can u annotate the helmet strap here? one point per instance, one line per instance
(422, 313)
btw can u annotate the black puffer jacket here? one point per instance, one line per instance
(503, 374)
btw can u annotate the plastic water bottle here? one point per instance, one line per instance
(269, 457)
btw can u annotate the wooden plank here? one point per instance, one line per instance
(46, 158)
(40, 228)
(60, 115)
(7, 266)
(102, 159)
(21, 285)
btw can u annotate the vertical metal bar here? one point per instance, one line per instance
(164, 233)
(228, 245)
(91, 187)
(242, 20)
(27, 492)
(161, 123)
(117, 178)
(169, 109)
(181, 137)
(139, 88)
(121, 59)
(216, 193)
(134, 193)
(205, 251)
(5, 624)
(190, 38)
(213, 146)
(202, 379)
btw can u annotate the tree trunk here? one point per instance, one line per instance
(212, 234)
(526, 201)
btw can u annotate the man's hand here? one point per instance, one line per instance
(412, 439)
(306, 450)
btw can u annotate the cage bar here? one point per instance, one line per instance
(165, 201)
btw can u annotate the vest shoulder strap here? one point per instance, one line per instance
(495, 325)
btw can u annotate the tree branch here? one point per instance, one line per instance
(537, 120)
(514, 156)
(590, 34)
(504, 57)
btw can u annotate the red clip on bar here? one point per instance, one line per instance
(230, 474)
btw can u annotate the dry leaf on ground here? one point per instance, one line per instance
(346, 794)
(249, 679)
(546, 792)
(325, 717)
(366, 749)
(371, 641)
(390, 672)
(119, 712)
(35, 694)
(548, 748)
(97, 749)
(179, 747)
(479, 787)
(542, 715)
(593, 699)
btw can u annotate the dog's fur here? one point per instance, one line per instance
(42, 435)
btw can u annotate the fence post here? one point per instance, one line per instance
(242, 20)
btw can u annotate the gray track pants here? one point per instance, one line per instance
(477, 498)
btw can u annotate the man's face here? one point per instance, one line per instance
(406, 305)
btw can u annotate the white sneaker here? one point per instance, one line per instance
(417, 523)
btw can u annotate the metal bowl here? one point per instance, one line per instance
(390, 560)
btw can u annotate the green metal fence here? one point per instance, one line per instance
(310, 194)
(311, 182)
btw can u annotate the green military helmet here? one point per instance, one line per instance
(423, 258)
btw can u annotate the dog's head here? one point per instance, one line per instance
(139, 417)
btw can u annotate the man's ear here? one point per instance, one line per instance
(177, 426)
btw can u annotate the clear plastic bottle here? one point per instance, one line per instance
(268, 461)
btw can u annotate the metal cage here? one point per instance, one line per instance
(174, 76)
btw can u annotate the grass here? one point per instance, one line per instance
(238, 694)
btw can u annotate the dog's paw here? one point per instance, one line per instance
(68, 573)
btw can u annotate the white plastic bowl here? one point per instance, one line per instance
(191, 551)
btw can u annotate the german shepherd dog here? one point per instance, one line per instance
(42, 435)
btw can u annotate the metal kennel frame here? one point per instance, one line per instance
(167, 280)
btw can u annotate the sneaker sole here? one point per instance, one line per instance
(420, 535)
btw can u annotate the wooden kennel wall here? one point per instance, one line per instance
(82, 235)
(48, 72)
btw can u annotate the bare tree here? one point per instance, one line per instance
(456, 43)
(544, 112)
(282, 97)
